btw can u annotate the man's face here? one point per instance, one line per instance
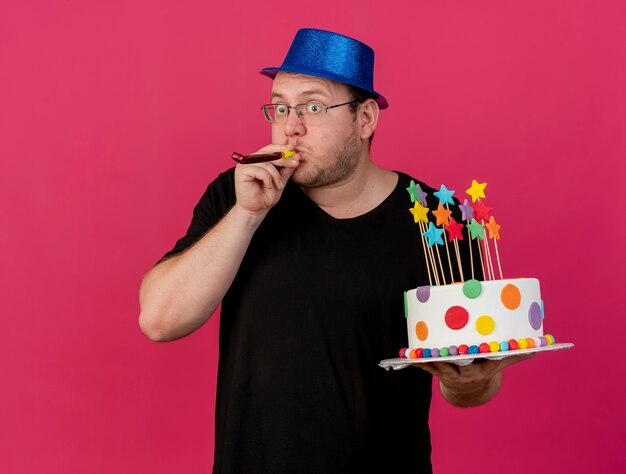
(330, 149)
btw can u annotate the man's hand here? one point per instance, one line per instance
(472, 384)
(259, 186)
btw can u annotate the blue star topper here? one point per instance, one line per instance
(444, 195)
(434, 235)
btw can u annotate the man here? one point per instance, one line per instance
(309, 257)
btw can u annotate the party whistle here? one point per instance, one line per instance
(260, 157)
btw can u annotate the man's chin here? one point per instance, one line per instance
(303, 177)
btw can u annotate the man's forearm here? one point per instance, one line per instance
(180, 294)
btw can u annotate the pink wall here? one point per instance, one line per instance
(115, 115)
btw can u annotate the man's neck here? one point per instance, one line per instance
(361, 192)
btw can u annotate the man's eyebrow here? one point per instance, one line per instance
(277, 95)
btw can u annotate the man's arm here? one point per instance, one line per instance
(473, 384)
(180, 294)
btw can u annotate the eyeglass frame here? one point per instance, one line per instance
(295, 107)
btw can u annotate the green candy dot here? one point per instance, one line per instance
(406, 307)
(443, 352)
(472, 288)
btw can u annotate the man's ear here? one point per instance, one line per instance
(368, 118)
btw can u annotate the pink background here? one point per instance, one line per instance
(115, 115)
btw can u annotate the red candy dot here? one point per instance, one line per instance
(419, 353)
(463, 349)
(483, 348)
(456, 317)
(512, 344)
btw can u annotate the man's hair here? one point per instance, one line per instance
(359, 96)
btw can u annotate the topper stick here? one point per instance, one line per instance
(482, 265)
(443, 276)
(493, 274)
(448, 252)
(458, 259)
(449, 261)
(430, 280)
(434, 264)
(488, 262)
(495, 242)
(471, 253)
(484, 257)
(429, 256)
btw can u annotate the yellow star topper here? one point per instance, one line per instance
(477, 190)
(419, 213)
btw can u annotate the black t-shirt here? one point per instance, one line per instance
(316, 305)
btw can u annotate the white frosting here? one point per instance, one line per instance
(509, 323)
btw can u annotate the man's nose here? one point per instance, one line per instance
(294, 124)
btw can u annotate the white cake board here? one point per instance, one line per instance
(467, 359)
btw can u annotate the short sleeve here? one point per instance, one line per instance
(216, 201)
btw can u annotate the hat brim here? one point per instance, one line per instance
(272, 71)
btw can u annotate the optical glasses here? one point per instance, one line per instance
(310, 112)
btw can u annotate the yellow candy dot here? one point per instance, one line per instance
(510, 296)
(485, 325)
(421, 330)
(494, 346)
(522, 344)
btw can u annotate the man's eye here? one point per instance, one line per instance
(313, 107)
(281, 109)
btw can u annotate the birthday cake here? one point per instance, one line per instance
(456, 316)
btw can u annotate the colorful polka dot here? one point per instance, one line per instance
(534, 315)
(494, 346)
(510, 296)
(434, 352)
(456, 317)
(426, 353)
(453, 350)
(463, 349)
(504, 346)
(513, 344)
(485, 325)
(421, 330)
(472, 288)
(423, 293)
(522, 344)
(444, 352)
(406, 306)
(472, 350)
(483, 348)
